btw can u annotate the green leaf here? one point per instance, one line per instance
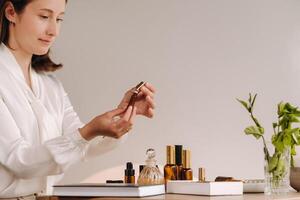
(297, 135)
(294, 130)
(293, 151)
(256, 131)
(297, 113)
(274, 138)
(273, 163)
(295, 138)
(293, 118)
(254, 98)
(243, 103)
(278, 142)
(287, 140)
(290, 108)
(284, 122)
(280, 169)
(280, 108)
(250, 98)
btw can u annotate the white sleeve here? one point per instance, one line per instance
(71, 124)
(53, 157)
(25, 160)
(101, 145)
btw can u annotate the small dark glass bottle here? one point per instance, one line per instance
(187, 172)
(178, 161)
(129, 173)
(170, 167)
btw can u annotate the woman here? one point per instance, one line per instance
(40, 133)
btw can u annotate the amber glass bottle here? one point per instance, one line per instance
(178, 161)
(129, 173)
(187, 172)
(170, 168)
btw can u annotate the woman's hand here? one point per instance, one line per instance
(113, 124)
(144, 103)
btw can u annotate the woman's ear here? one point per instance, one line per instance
(10, 12)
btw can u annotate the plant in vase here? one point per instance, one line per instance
(284, 140)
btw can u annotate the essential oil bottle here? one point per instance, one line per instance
(187, 172)
(129, 173)
(178, 161)
(170, 167)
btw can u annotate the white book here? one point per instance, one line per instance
(107, 190)
(254, 185)
(205, 188)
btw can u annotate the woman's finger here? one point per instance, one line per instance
(116, 111)
(129, 92)
(127, 114)
(133, 114)
(147, 92)
(150, 87)
(150, 102)
(150, 113)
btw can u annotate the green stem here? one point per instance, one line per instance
(266, 149)
(255, 120)
(263, 138)
(278, 125)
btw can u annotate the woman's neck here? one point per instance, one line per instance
(23, 59)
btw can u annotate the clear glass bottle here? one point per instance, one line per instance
(150, 175)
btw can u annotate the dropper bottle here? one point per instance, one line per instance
(129, 173)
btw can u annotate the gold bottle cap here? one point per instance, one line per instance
(170, 155)
(201, 174)
(186, 159)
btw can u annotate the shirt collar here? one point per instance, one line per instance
(10, 63)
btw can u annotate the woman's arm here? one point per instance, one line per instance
(26, 160)
(105, 131)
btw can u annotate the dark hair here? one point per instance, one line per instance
(38, 62)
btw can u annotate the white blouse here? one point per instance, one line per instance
(39, 134)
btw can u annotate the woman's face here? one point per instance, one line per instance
(37, 26)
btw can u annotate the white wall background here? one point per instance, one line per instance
(200, 55)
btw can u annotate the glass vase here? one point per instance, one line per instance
(277, 173)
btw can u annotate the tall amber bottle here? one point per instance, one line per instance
(187, 172)
(170, 168)
(178, 161)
